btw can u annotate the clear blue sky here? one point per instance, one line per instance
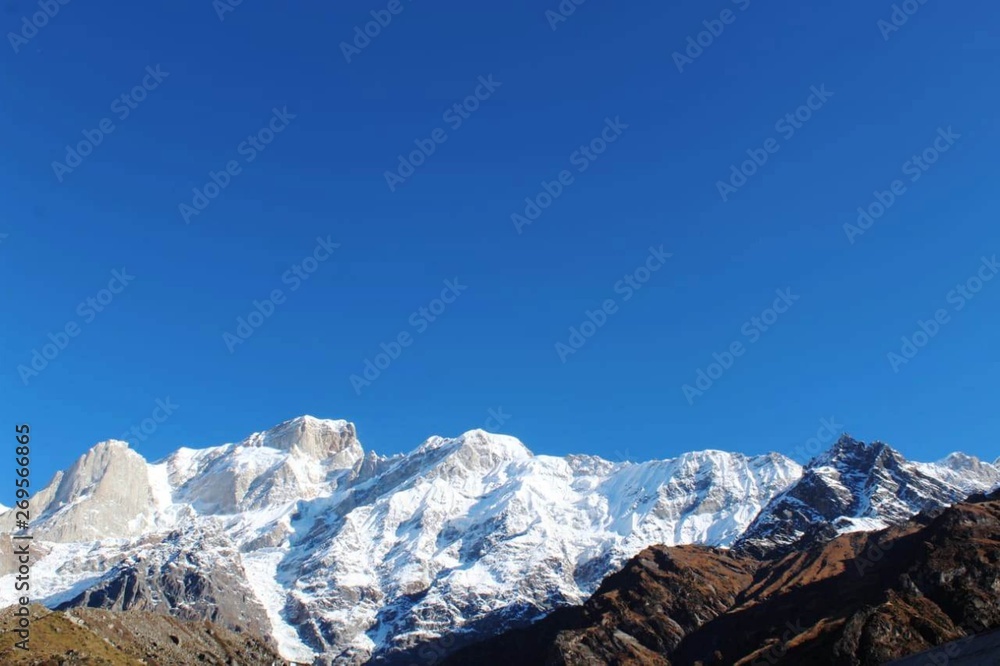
(619, 395)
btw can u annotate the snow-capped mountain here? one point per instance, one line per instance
(856, 486)
(342, 556)
(967, 473)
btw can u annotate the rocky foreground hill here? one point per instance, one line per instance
(102, 638)
(342, 556)
(861, 599)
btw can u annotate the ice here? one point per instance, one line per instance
(261, 567)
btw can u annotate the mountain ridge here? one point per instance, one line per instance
(347, 555)
(860, 599)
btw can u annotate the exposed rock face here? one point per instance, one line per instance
(89, 637)
(859, 486)
(105, 494)
(344, 556)
(297, 460)
(478, 533)
(193, 575)
(861, 599)
(333, 442)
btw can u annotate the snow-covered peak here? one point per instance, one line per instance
(856, 485)
(474, 462)
(354, 555)
(316, 438)
(959, 461)
(848, 452)
(488, 448)
(108, 444)
(963, 471)
(475, 437)
(301, 458)
(104, 494)
(106, 464)
(501, 446)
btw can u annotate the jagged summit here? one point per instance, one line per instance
(959, 462)
(966, 472)
(109, 460)
(848, 451)
(318, 438)
(490, 444)
(859, 486)
(104, 494)
(351, 555)
(474, 437)
(858, 599)
(111, 444)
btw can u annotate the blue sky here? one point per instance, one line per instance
(604, 80)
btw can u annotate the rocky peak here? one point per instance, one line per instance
(106, 493)
(478, 456)
(858, 599)
(360, 556)
(319, 439)
(478, 449)
(850, 453)
(965, 472)
(110, 460)
(853, 486)
(503, 446)
(297, 459)
(959, 461)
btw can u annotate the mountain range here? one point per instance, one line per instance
(342, 556)
(859, 599)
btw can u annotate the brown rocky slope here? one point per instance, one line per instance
(859, 600)
(106, 638)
